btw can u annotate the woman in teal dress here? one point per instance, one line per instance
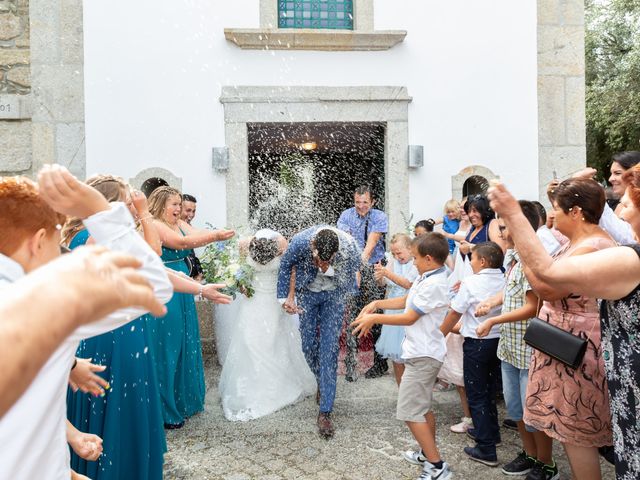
(175, 338)
(128, 417)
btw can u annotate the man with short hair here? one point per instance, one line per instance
(368, 226)
(324, 262)
(188, 211)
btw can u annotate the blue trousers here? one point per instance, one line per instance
(320, 325)
(481, 370)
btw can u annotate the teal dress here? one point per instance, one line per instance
(128, 418)
(175, 345)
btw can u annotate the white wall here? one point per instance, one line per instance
(154, 70)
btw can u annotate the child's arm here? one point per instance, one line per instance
(386, 272)
(362, 325)
(450, 321)
(485, 307)
(437, 221)
(396, 303)
(528, 310)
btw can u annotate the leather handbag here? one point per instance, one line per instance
(555, 342)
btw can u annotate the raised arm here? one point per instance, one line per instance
(611, 273)
(194, 237)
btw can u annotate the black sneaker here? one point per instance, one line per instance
(540, 471)
(510, 424)
(521, 465)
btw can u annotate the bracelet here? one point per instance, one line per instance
(145, 217)
(75, 362)
(200, 297)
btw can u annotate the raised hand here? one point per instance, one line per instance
(84, 378)
(585, 173)
(224, 235)
(368, 308)
(67, 195)
(102, 282)
(139, 201)
(210, 292)
(502, 202)
(362, 325)
(379, 271)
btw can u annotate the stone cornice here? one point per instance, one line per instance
(313, 39)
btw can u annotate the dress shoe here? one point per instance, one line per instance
(318, 396)
(325, 425)
(173, 426)
(351, 377)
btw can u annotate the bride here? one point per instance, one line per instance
(264, 369)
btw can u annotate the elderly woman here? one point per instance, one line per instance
(614, 275)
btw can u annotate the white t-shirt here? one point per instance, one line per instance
(473, 290)
(33, 441)
(428, 297)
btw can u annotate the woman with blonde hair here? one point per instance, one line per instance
(175, 338)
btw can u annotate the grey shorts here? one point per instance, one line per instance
(416, 388)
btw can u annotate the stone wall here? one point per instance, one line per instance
(15, 87)
(561, 90)
(41, 86)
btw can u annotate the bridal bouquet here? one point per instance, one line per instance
(223, 263)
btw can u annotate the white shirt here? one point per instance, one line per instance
(548, 239)
(619, 230)
(428, 297)
(33, 432)
(473, 290)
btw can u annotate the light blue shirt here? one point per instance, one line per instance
(354, 224)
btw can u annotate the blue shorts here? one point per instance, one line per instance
(514, 388)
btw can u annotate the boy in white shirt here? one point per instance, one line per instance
(423, 348)
(480, 362)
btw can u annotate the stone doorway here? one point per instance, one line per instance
(302, 174)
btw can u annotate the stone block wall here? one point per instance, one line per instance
(15, 87)
(561, 90)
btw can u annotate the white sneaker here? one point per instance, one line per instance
(429, 472)
(415, 457)
(463, 426)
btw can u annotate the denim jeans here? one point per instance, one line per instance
(320, 325)
(481, 369)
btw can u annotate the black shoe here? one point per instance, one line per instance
(378, 370)
(540, 471)
(475, 453)
(521, 465)
(607, 454)
(351, 377)
(173, 426)
(510, 424)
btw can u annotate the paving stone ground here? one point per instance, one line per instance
(368, 444)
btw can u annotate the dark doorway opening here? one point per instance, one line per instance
(301, 174)
(150, 184)
(475, 185)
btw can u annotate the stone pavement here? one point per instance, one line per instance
(285, 445)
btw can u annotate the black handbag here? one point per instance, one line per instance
(555, 342)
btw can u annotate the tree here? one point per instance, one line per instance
(612, 44)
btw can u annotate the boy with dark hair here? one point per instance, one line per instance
(423, 348)
(480, 363)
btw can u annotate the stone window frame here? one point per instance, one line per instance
(270, 37)
(388, 105)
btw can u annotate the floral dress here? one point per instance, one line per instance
(620, 321)
(571, 405)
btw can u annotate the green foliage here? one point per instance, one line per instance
(612, 45)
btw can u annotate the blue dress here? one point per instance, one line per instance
(128, 418)
(389, 345)
(175, 345)
(450, 226)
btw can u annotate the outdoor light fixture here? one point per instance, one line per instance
(309, 146)
(220, 159)
(416, 156)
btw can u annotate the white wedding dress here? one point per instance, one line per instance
(264, 369)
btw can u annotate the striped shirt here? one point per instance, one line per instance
(512, 348)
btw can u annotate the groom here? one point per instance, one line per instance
(325, 261)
